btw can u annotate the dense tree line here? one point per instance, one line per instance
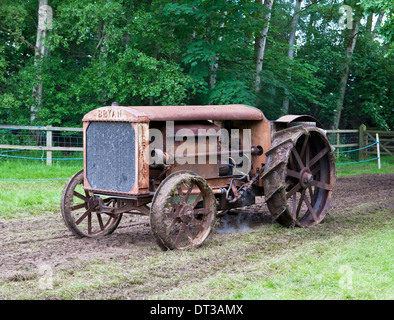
(282, 56)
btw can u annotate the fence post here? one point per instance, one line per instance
(378, 149)
(361, 135)
(49, 144)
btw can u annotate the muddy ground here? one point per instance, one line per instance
(30, 242)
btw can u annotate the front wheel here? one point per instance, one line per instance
(80, 218)
(183, 211)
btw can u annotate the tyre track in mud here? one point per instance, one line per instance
(27, 243)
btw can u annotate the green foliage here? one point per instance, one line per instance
(232, 92)
(371, 97)
(387, 29)
(191, 52)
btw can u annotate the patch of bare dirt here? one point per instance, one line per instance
(25, 244)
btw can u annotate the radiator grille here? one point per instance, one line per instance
(110, 156)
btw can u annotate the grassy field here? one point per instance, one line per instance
(387, 166)
(346, 257)
(349, 265)
(21, 198)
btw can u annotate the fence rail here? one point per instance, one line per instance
(337, 134)
(39, 128)
(386, 142)
(46, 144)
(344, 141)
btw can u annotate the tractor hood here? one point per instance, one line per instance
(175, 113)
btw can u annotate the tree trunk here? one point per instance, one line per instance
(290, 53)
(261, 41)
(378, 22)
(369, 22)
(41, 51)
(215, 64)
(102, 48)
(345, 73)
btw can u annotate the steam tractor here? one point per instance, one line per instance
(185, 165)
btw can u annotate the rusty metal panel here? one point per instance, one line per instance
(115, 114)
(202, 112)
(143, 157)
(261, 136)
(292, 118)
(175, 113)
(200, 138)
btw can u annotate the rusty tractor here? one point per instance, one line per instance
(183, 166)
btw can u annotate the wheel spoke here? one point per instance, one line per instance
(300, 203)
(171, 226)
(304, 146)
(172, 202)
(189, 190)
(293, 191)
(319, 156)
(180, 194)
(174, 211)
(188, 233)
(100, 220)
(321, 185)
(298, 158)
(81, 218)
(316, 170)
(197, 200)
(80, 196)
(78, 206)
(293, 173)
(291, 162)
(310, 209)
(180, 234)
(202, 211)
(198, 223)
(307, 156)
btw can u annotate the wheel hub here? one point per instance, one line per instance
(93, 203)
(306, 177)
(186, 213)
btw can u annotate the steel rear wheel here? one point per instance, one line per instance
(183, 211)
(299, 177)
(79, 217)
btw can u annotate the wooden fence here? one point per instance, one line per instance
(340, 139)
(368, 136)
(48, 144)
(365, 137)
